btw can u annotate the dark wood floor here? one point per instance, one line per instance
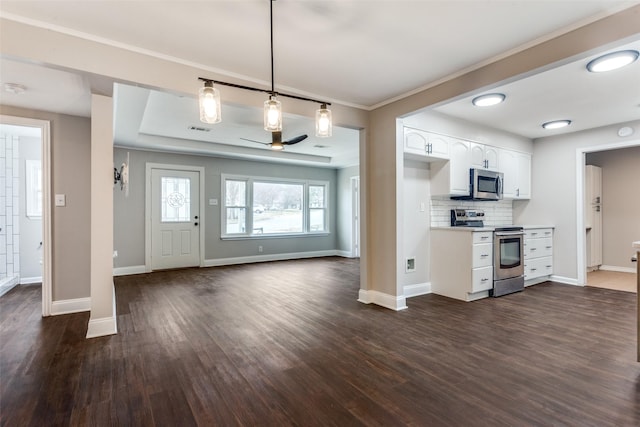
(287, 343)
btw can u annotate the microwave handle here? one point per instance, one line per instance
(499, 187)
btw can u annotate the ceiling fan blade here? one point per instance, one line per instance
(295, 140)
(259, 142)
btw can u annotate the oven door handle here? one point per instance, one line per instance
(509, 233)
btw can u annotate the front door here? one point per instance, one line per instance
(175, 218)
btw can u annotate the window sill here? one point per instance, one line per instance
(274, 236)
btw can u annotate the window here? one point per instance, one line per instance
(33, 186)
(235, 204)
(278, 207)
(317, 209)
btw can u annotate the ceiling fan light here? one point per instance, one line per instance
(324, 125)
(209, 100)
(612, 61)
(272, 114)
(277, 146)
(488, 99)
(556, 124)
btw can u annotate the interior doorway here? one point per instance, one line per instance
(25, 210)
(617, 231)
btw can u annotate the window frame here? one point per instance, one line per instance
(249, 202)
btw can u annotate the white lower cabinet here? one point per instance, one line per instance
(461, 263)
(538, 255)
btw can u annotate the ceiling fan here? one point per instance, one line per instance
(276, 140)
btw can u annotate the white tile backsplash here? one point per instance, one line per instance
(495, 213)
(9, 206)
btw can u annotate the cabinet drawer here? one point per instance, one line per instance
(536, 248)
(482, 237)
(538, 267)
(481, 279)
(535, 233)
(482, 255)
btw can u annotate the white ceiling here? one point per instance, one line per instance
(356, 53)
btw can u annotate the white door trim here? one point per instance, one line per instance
(581, 244)
(45, 128)
(355, 217)
(147, 210)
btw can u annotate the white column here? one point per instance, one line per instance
(103, 305)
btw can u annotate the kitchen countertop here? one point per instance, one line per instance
(491, 229)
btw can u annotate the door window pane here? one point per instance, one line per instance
(175, 199)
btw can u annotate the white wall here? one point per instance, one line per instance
(416, 220)
(620, 203)
(555, 190)
(30, 227)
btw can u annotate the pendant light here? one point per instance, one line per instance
(323, 122)
(210, 110)
(209, 100)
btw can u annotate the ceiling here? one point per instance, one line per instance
(356, 53)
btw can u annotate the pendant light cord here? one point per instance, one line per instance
(273, 92)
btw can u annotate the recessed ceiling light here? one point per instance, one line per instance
(488, 100)
(556, 124)
(612, 61)
(14, 88)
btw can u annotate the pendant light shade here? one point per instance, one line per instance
(272, 115)
(209, 100)
(323, 122)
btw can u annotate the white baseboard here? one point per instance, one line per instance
(102, 327)
(126, 271)
(264, 258)
(105, 325)
(9, 284)
(618, 269)
(30, 280)
(565, 280)
(344, 254)
(417, 290)
(384, 300)
(68, 306)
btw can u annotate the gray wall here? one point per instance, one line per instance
(620, 203)
(71, 175)
(129, 227)
(416, 221)
(345, 208)
(30, 228)
(554, 189)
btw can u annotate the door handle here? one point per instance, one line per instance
(195, 223)
(196, 217)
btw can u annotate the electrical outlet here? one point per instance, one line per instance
(411, 265)
(260, 248)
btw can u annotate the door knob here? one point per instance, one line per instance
(196, 217)
(195, 223)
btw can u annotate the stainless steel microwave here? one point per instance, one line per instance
(483, 185)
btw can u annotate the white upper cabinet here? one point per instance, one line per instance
(484, 156)
(452, 177)
(424, 145)
(516, 167)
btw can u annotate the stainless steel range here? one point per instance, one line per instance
(508, 260)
